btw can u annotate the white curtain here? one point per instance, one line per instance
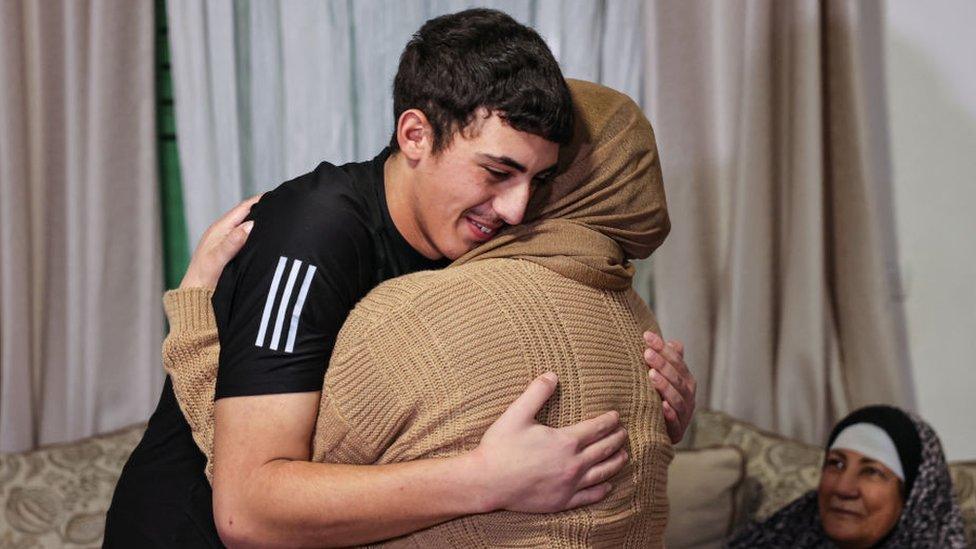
(80, 268)
(780, 271)
(264, 91)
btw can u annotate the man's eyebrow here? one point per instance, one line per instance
(511, 163)
(508, 161)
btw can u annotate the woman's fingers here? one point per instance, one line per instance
(238, 213)
(218, 245)
(232, 243)
(672, 379)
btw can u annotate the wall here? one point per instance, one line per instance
(931, 87)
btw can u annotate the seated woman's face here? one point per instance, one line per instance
(859, 498)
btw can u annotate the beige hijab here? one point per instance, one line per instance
(604, 208)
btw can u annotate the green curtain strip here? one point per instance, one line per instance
(176, 249)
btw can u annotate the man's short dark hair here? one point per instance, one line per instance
(459, 63)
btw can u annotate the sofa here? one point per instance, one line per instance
(728, 473)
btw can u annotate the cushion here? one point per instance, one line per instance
(703, 495)
(964, 489)
(778, 469)
(57, 496)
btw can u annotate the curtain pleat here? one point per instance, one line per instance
(777, 270)
(19, 299)
(206, 101)
(864, 268)
(80, 325)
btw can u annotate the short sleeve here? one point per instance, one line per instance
(281, 302)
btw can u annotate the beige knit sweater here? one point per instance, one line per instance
(426, 362)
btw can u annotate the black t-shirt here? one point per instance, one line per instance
(320, 243)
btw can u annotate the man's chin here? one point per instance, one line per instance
(460, 247)
(456, 250)
(460, 251)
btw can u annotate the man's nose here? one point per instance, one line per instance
(511, 200)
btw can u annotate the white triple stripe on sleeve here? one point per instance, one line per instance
(297, 310)
(283, 300)
(289, 286)
(269, 303)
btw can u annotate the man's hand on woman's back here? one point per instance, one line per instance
(538, 469)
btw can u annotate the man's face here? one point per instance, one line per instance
(478, 184)
(859, 499)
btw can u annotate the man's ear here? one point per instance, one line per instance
(414, 134)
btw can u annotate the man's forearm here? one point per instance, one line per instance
(298, 503)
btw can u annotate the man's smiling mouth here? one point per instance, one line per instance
(483, 231)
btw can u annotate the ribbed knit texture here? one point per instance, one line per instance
(426, 362)
(413, 377)
(190, 354)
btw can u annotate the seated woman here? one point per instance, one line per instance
(885, 483)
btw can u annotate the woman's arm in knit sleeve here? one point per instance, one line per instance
(191, 348)
(190, 353)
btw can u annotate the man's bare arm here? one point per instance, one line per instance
(267, 493)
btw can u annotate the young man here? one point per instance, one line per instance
(319, 244)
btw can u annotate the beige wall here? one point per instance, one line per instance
(930, 63)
